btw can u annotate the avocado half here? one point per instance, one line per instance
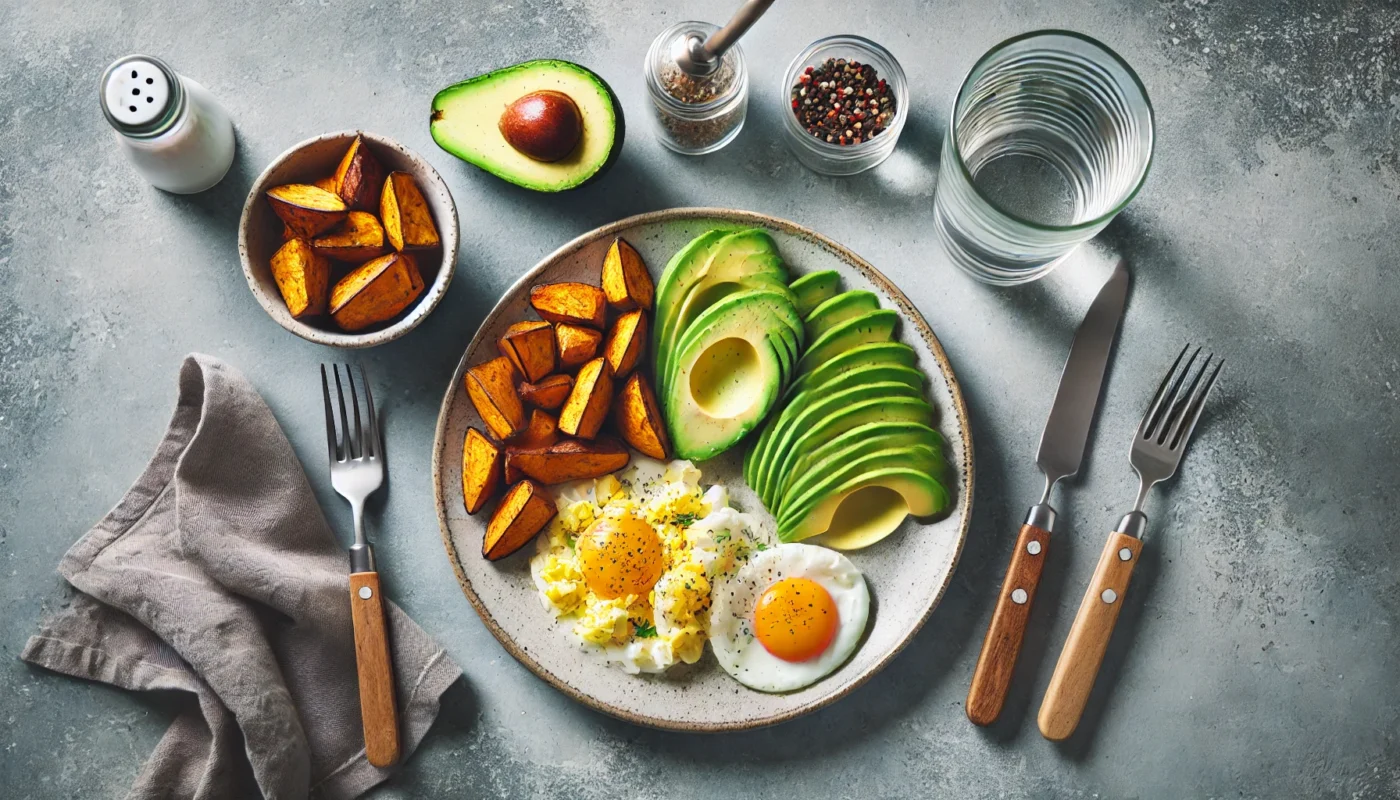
(465, 116)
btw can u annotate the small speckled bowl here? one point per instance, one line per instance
(260, 234)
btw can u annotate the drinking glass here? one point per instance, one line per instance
(1050, 137)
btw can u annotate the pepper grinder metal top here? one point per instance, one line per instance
(701, 57)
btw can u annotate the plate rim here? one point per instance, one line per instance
(908, 309)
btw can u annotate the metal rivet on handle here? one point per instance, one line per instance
(1033, 547)
(1125, 555)
(1109, 595)
(366, 593)
(1018, 596)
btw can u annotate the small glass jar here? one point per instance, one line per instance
(833, 158)
(173, 130)
(695, 116)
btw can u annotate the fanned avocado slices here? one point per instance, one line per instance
(851, 451)
(466, 122)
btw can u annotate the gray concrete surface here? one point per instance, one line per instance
(1258, 652)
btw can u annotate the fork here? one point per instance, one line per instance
(357, 471)
(1158, 445)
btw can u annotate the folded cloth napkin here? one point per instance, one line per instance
(217, 575)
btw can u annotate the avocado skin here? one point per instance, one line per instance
(619, 123)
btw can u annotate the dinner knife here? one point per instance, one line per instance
(1061, 452)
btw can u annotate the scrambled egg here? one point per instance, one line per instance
(702, 540)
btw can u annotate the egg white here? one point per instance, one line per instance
(732, 606)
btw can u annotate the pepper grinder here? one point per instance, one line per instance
(173, 131)
(700, 57)
(699, 82)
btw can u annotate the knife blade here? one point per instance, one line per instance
(1061, 453)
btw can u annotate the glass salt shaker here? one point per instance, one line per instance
(696, 115)
(173, 131)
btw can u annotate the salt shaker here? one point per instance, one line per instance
(173, 131)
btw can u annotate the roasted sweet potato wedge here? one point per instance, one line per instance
(359, 239)
(626, 341)
(587, 407)
(576, 344)
(326, 184)
(638, 418)
(407, 220)
(482, 460)
(626, 282)
(303, 277)
(542, 431)
(549, 393)
(491, 387)
(376, 291)
(523, 512)
(530, 347)
(575, 303)
(306, 209)
(359, 177)
(569, 460)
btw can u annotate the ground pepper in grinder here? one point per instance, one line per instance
(843, 102)
(696, 115)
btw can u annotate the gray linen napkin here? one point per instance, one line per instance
(217, 575)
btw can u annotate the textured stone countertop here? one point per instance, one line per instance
(1258, 650)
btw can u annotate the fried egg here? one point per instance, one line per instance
(788, 617)
(631, 558)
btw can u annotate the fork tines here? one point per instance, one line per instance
(1173, 413)
(350, 443)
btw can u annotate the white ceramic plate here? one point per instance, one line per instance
(907, 573)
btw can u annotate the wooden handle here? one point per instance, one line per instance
(1088, 638)
(376, 670)
(992, 679)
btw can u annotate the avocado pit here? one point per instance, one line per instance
(544, 125)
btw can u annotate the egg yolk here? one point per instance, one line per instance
(796, 619)
(620, 556)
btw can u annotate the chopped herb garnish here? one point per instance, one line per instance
(684, 520)
(646, 630)
(760, 546)
(572, 540)
(722, 537)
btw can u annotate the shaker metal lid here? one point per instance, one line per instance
(141, 96)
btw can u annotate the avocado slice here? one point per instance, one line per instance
(867, 508)
(465, 117)
(820, 404)
(727, 374)
(875, 326)
(814, 288)
(844, 306)
(795, 416)
(864, 355)
(857, 442)
(852, 445)
(901, 408)
(922, 458)
(714, 264)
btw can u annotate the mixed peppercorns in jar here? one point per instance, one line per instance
(843, 102)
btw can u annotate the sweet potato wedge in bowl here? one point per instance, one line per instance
(313, 163)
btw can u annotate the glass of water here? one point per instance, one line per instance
(1050, 137)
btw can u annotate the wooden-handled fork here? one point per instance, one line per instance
(1158, 445)
(357, 471)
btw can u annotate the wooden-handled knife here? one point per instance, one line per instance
(1061, 452)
